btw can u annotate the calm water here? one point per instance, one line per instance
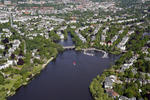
(68, 42)
(61, 80)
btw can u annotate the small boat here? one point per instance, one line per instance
(74, 63)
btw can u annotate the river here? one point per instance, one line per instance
(61, 80)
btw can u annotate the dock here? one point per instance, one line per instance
(94, 49)
(89, 54)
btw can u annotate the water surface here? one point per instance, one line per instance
(61, 80)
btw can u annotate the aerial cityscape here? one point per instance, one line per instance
(74, 49)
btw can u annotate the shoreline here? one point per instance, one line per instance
(43, 66)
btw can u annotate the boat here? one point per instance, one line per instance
(74, 63)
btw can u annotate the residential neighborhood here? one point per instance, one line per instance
(31, 32)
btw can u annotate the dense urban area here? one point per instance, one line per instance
(30, 32)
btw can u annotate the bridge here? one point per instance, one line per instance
(69, 47)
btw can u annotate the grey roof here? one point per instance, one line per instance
(108, 81)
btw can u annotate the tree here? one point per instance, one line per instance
(13, 56)
(5, 41)
(130, 74)
(20, 61)
(119, 88)
(1, 79)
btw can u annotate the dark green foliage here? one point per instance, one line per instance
(20, 61)
(143, 65)
(97, 90)
(1, 79)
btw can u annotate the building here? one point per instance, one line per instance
(108, 84)
(7, 2)
(1, 2)
(112, 93)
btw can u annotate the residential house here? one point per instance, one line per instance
(108, 83)
(112, 93)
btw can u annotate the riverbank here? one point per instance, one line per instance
(44, 65)
(74, 80)
(96, 87)
(37, 70)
